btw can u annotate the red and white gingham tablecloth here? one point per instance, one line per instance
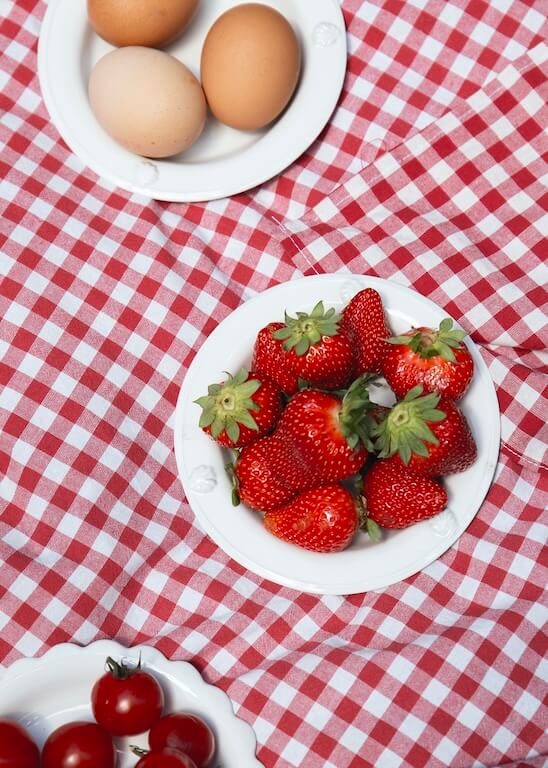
(432, 173)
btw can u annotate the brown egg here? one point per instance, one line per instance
(147, 100)
(250, 66)
(140, 22)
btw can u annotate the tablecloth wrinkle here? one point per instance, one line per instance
(433, 214)
(431, 173)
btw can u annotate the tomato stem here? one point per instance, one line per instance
(121, 671)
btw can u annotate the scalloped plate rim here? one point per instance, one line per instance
(189, 679)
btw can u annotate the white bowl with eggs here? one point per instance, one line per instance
(223, 160)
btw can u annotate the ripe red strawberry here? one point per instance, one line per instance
(436, 359)
(317, 352)
(240, 410)
(270, 360)
(364, 322)
(322, 519)
(427, 434)
(395, 497)
(267, 474)
(327, 431)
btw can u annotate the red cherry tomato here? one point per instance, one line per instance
(126, 701)
(79, 745)
(186, 732)
(17, 749)
(166, 758)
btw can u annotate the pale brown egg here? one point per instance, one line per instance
(147, 100)
(140, 22)
(250, 66)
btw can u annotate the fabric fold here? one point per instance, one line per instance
(459, 213)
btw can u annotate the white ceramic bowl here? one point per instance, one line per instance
(238, 530)
(223, 161)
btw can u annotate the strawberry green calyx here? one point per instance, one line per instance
(233, 478)
(428, 343)
(372, 529)
(354, 418)
(405, 429)
(229, 404)
(365, 523)
(302, 332)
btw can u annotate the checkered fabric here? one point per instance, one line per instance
(432, 173)
(462, 211)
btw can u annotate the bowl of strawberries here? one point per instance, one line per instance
(336, 434)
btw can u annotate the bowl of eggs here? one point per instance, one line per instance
(190, 100)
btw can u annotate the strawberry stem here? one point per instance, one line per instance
(354, 418)
(365, 523)
(373, 530)
(429, 343)
(139, 751)
(229, 404)
(307, 329)
(230, 469)
(404, 430)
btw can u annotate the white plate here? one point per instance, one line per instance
(238, 530)
(223, 161)
(47, 692)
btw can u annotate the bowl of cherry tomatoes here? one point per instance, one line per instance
(107, 706)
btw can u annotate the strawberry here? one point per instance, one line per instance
(436, 359)
(267, 474)
(322, 519)
(363, 321)
(240, 410)
(427, 434)
(328, 432)
(270, 360)
(317, 352)
(395, 497)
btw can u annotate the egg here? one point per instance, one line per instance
(140, 22)
(148, 101)
(250, 66)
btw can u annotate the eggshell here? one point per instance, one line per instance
(250, 66)
(140, 22)
(147, 100)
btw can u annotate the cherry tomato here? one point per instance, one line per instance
(17, 749)
(126, 700)
(186, 732)
(166, 758)
(79, 745)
